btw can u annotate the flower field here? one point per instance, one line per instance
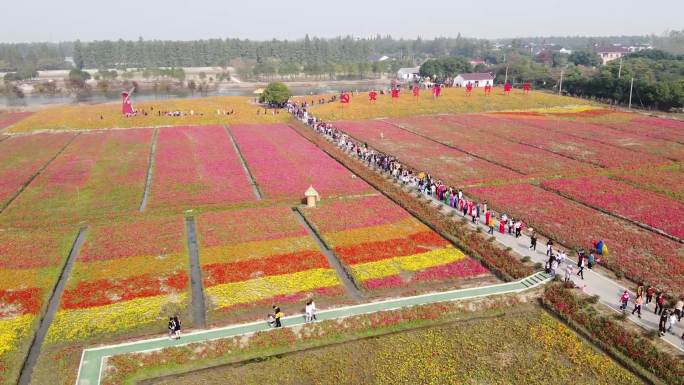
(454, 166)
(127, 277)
(453, 100)
(521, 158)
(101, 116)
(638, 253)
(496, 350)
(384, 247)
(252, 258)
(30, 264)
(666, 181)
(97, 174)
(197, 166)
(22, 156)
(620, 198)
(284, 164)
(9, 118)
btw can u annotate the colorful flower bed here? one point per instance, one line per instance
(620, 198)
(665, 181)
(197, 166)
(250, 256)
(452, 100)
(100, 173)
(456, 167)
(22, 156)
(123, 280)
(30, 264)
(101, 116)
(635, 252)
(284, 164)
(524, 159)
(388, 248)
(10, 118)
(527, 344)
(609, 334)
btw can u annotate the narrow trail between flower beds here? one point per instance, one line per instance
(90, 370)
(248, 172)
(23, 187)
(53, 306)
(344, 276)
(150, 171)
(199, 319)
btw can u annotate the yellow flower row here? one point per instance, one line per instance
(120, 268)
(12, 329)
(70, 325)
(416, 262)
(257, 249)
(27, 278)
(378, 233)
(234, 293)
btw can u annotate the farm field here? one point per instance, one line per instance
(252, 258)
(491, 350)
(97, 174)
(574, 156)
(453, 100)
(384, 248)
(105, 116)
(9, 118)
(284, 164)
(30, 264)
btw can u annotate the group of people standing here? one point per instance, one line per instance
(275, 319)
(668, 317)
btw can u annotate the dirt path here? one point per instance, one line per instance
(150, 171)
(199, 319)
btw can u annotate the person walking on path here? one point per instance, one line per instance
(568, 273)
(488, 216)
(663, 323)
(278, 315)
(533, 241)
(637, 305)
(671, 322)
(649, 293)
(510, 226)
(624, 299)
(679, 307)
(660, 303)
(549, 248)
(580, 267)
(560, 257)
(518, 228)
(502, 224)
(172, 327)
(177, 327)
(640, 290)
(491, 224)
(591, 260)
(580, 255)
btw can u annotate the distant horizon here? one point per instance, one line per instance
(88, 20)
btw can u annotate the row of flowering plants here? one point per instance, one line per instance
(635, 252)
(30, 264)
(505, 264)
(127, 277)
(667, 129)
(22, 156)
(564, 144)
(255, 257)
(9, 118)
(454, 166)
(197, 166)
(384, 247)
(576, 309)
(625, 200)
(205, 111)
(667, 181)
(98, 173)
(410, 345)
(284, 164)
(491, 146)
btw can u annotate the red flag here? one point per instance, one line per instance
(395, 93)
(507, 87)
(527, 87)
(469, 88)
(127, 105)
(436, 90)
(416, 91)
(373, 96)
(344, 98)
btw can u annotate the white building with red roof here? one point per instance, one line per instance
(610, 52)
(476, 79)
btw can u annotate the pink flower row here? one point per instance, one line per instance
(466, 268)
(351, 214)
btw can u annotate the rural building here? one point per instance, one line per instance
(409, 73)
(611, 52)
(476, 79)
(475, 62)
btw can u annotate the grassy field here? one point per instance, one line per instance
(453, 100)
(87, 117)
(501, 350)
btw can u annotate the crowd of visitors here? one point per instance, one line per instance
(426, 184)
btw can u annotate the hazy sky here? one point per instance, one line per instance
(55, 20)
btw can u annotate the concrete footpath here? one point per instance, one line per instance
(90, 370)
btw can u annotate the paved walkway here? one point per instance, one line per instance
(90, 370)
(594, 283)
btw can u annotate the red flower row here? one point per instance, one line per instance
(21, 301)
(375, 251)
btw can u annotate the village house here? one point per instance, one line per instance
(476, 79)
(610, 53)
(409, 73)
